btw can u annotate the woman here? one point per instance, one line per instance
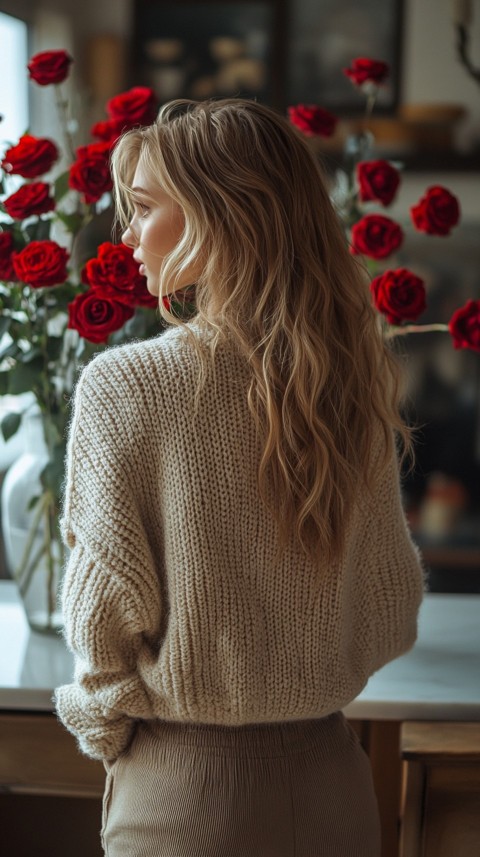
(240, 562)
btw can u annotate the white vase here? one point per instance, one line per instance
(39, 588)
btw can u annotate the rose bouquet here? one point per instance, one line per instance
(398, 294)
(60, 303)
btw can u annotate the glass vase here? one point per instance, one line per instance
(34, 553)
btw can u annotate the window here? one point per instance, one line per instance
(14, 111)
(13, 61)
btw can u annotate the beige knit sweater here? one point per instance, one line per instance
(173, 606)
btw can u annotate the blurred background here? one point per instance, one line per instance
(283, 53)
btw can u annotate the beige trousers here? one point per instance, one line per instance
(294, 789)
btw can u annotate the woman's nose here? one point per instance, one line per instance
(129, 238)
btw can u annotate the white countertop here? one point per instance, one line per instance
(439, 679)
(31, 664)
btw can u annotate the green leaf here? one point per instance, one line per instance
(52, 432)
(60, 187)
(4, 376)
(5, 322)
(24, 377)
(73, 222)
(54, 347)
(28, 356)
(70, 290)
(33, 502)
(39, 231)
(81, 347)
(10, 350)
(18, 236)
(11, 424)
(53, 473)
(17, 329)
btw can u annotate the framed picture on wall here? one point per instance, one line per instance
(198, 50)
(323, 38)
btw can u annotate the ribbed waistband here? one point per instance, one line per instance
(255, 738)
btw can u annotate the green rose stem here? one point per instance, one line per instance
(355, 154)
(62, 105)
(46, 403)
(371, 98)
(393, 331)
(49, 526)
(86, 213)
(23, 567)
(46, 504)
(23, 586)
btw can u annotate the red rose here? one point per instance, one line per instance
(134, 293)
(96, 317)
(312, 120)
(464, 326)
(33, 198)
(90, 174)
(31, 157)
(138, 106)
(378, 181)
(84, 277)
(114, 273)
(41, 263)
(376, 236)
(49, 67)
(364, 70)
(399, 295)
(437, 212)
(6, 254)
(109, 130)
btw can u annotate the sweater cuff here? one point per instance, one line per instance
(100, 734)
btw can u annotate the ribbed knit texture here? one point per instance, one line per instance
(301, 789)
(174, 607)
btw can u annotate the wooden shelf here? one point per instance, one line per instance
(451, 557)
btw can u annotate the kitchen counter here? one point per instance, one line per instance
(439, 679)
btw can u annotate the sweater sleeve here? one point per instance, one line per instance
(110, 597)
(393, 575)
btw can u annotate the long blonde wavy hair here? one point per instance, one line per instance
(278, 281)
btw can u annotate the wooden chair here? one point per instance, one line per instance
(440, 804)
